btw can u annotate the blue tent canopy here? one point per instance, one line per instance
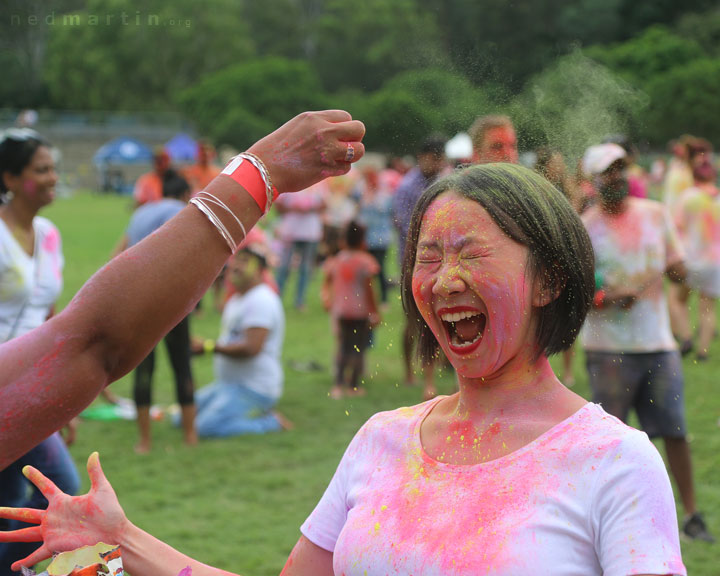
(182, 148)
(123, 151)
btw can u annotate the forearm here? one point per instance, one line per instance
(236, 350)
(145, 555)
(139, 296)
(53, 373)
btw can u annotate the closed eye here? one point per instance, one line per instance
(474, 254)
(428, 255)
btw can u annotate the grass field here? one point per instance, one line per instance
(238, 503)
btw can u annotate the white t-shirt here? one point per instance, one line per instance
(29, 285)
(697, 216)
(259, 307)
(632, 250)
(590, 496)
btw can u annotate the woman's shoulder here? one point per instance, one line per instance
(44, 226)
(405, 417)
(602, 434)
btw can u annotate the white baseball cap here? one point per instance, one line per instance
(598, 158)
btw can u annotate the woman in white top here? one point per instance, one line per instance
(514, 474)
(31, 264)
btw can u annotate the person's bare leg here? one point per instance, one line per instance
(187, 419)
(678, 307)
(678, 455)
(109, 396)
(143, 420)
(706, 314)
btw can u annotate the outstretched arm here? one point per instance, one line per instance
(52, 373)
(72, 522)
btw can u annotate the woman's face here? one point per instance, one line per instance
(36, 183)
(472, 287)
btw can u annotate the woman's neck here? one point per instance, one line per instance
(18, 215)
(517, 388)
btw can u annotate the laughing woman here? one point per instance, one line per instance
(514, 474)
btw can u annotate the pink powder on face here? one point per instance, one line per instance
(464, 259)
(30, 187)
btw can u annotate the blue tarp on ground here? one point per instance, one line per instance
(182, 148)
(123, 151)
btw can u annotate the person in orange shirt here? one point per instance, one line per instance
(148, 187)
(199, 175)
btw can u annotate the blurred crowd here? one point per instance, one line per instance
(648, 221)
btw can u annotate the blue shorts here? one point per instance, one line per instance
(652, 383)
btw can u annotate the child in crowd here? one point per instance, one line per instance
(348, 295)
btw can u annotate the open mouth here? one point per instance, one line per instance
(464, 328)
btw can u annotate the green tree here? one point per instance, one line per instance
(242, 103)
(655, 52)
(451, 101)
(703, 28)
(24, 30)
(277, 27)
(685, 100)
(113, 57)
(677, 74)
(396, 122)
(413, 104)
(360, 45)
(575, 103)
(636, 16)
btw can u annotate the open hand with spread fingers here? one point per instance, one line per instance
(69, 522)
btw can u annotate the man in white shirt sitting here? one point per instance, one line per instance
(248, 373)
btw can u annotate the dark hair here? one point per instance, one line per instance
(354, 235)
(698, 146)
(532, 212)
(17, 148)
(174, 185)
(433, 144)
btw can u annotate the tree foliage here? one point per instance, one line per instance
(446, 62)
(703, 28)
(362, 44)
(242, 103)
(575, 103)
(678, 74)
(655, 52)
(396, 122)
(108, 64)
(685, 100)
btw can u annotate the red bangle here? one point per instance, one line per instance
(249, 177)
(599, 299)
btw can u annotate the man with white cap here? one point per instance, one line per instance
(631, 355)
